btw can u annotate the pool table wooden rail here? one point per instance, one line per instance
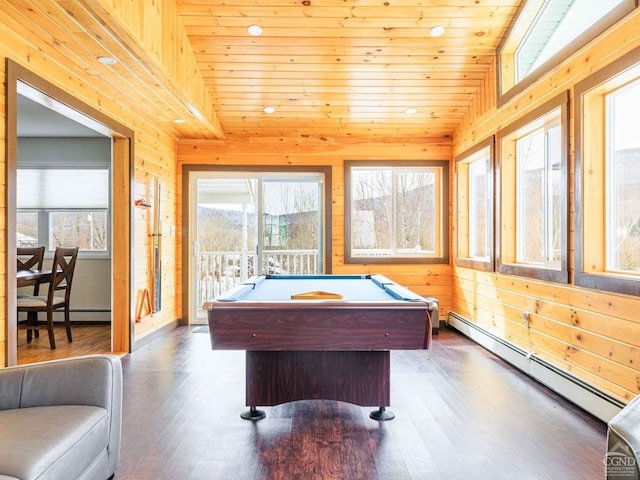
(337, 327)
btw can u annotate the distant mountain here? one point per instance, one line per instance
(233, 217)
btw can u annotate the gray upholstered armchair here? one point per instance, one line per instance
(623, 443)
(61, 420)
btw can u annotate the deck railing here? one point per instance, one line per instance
(219, 272)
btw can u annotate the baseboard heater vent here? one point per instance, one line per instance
(583, 394)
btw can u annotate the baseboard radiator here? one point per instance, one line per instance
(589, 398)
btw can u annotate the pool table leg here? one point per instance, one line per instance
(253, 414)
(382, 414)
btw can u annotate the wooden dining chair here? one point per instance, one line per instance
(59, 293)
(30, 258)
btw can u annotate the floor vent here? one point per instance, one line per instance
(583, 394)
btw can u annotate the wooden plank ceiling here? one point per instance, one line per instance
(335, 68)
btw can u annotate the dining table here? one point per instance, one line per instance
(26, 278)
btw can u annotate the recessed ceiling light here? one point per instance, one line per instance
(410, 111)
(268, 109)
(437, 31)
(107, 60)
(255, 30)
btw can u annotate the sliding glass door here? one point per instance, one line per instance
(244, 224)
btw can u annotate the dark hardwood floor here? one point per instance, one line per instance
(461, 413)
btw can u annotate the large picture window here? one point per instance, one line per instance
(396, 211)
(533, 194)
(538, 193)
(63, 207)
(474, 207)
(622, 161)
(546, 31)
(608, 178)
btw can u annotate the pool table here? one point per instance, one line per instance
(319, 336)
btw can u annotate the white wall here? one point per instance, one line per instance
(91, 287)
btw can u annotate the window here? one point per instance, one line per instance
(63, 207)
(474, 207)
(396, 212)
(608, 178)
(292, 213)
(547, 31)
(622, 160)
(533, 194)
(27, 228)
(254, 221)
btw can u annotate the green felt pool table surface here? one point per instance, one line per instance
(352, 288)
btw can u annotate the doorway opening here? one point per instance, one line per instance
(64, 161)
(255, 222)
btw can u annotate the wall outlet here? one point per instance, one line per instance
(525, 317)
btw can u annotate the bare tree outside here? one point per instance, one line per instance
(415, 210)
(623, 167)
(538, 197)
(220, 229)
(372, 209)
(227, 229)
(292, 222)
(27, 228)
(63, 207)
(625, 241)
(86, 230)
(530, 198)
(479, 207)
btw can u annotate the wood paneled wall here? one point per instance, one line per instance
(151, 164)
(158, 33)
(155, 155)
(423, 279)
(3, 183)
(596, 335)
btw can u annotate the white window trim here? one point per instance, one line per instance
(44, 231)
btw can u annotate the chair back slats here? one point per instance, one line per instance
(62, 268)
(64, 264)
(30, 258)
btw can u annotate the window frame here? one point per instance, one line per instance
(44, 229)
(441, 257)
(516, 33)
(463, 220)
(44, 213)
(590, 173)
(509, 265)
